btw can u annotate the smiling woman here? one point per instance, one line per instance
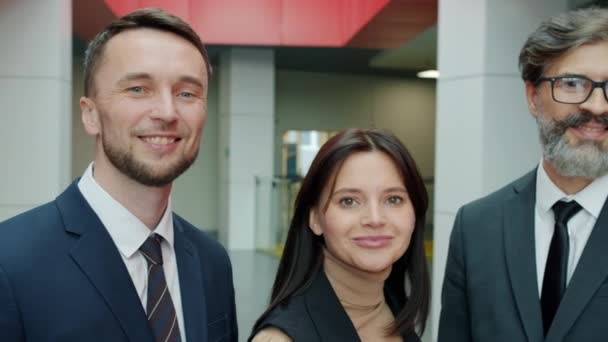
(355, 239)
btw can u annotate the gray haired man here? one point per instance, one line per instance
(528, 262)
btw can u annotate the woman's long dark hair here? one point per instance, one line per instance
(303, 253)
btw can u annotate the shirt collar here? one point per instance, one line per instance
(591, 197)
(127, 231)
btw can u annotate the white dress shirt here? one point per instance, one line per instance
(128, 234)
(591, 198)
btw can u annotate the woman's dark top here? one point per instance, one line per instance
(317, 315)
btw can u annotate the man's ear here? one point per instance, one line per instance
(313, 222)
(532, 98)
(89, 116)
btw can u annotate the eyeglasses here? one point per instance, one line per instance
(573, 89)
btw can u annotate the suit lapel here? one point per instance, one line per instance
(98, 258)
(191, 286)
(520, 254)
(589, 274)
(327, 313)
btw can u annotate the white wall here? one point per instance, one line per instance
(35, 80)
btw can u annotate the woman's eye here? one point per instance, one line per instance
(347, 202)
(395, 200)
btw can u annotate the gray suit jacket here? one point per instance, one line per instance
(490, 292)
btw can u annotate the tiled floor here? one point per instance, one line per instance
(253, 277)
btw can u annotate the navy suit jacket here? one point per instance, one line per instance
(62, 279)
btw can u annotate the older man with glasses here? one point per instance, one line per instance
(529, 262)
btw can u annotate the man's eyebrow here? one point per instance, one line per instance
(192, 80)
(138, 76)
(135, 76)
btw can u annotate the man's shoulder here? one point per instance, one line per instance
(29, 231)
(36, 214)
(30, 222)
(496, 199)
(201, 239)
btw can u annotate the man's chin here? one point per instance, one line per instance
(160, 176)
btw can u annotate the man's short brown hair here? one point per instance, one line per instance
(153, 18)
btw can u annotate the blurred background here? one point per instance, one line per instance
(288, 74)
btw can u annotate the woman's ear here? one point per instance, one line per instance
(313, 222)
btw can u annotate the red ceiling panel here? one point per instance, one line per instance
(122, 7)
(237, 22)
(357, 13)
(330, 23)
(313, 22)
(180, 8)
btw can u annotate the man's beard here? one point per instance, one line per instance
(126, 162)
(585, 159)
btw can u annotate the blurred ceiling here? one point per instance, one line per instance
(399, 40)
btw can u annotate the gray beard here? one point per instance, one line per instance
(588, 159)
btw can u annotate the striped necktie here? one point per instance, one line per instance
(159, 309)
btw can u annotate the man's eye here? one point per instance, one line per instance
(573, 83)
(186, 94)
(137, 90)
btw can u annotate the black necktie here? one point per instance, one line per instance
(159, 308)
(554, 281)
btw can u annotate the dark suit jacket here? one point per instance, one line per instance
(317, 315)
(490, 292)
(62, 279)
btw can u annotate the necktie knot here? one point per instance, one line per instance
(564, 211)
(151, 250)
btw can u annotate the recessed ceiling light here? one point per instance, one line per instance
(428, 74)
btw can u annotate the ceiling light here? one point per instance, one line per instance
(428, 74)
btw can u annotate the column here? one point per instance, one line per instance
(246, 107)
(35, 94)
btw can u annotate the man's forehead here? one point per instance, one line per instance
(582, 59)
(126, 48)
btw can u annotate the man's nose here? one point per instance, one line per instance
(165, 107)
(596, 103)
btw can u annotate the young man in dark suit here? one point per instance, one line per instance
(528, 262)
(108, 260)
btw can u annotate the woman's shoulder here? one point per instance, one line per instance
(411, 337)
(271, 334)
(289, 319)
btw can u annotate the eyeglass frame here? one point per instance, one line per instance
(594, 85)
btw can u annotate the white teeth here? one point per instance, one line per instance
(159, 140)
(592, 129)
